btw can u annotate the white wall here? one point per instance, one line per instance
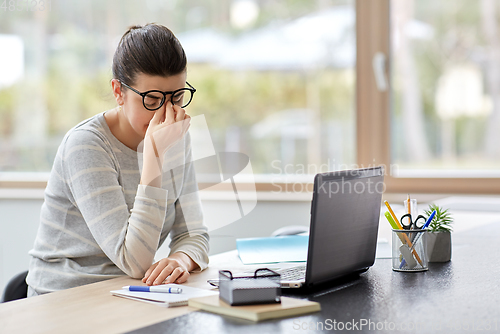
(18, 227)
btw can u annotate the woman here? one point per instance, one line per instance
(108, 206)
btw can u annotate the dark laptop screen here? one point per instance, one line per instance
(345, 214)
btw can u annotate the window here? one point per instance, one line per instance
(396, 123)
(446, 96)
(275, 79)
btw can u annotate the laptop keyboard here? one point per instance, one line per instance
(297, 273)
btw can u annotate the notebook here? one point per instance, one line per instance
(345, 213)
(287, 308)
(166, 299)
(289, 248)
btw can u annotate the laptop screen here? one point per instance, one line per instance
(345, 214)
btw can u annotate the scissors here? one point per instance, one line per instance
(410, 224)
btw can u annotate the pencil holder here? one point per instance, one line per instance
(408, 251)
(261, 288)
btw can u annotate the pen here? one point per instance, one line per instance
(427, 223)
(158, 288)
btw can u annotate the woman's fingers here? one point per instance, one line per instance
(148, 272)
(157, 117)
(154, 277)
(166, 272)
(183, 277)
(164, 117)
(169, 113)
(173, 269)
(179, 113)
(176, 273)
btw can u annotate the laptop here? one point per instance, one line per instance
(345, 212)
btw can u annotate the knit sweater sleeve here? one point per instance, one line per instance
(189, 234)
(129, 237)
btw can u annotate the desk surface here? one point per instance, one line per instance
(461, 295)
(89, 309)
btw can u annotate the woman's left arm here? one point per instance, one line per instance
(189, 245)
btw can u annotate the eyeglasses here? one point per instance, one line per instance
(154, 99)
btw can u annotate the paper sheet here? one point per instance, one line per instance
(166, 299)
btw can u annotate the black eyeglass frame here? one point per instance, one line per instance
(191, 89)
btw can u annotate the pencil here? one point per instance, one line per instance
(409, 205)
(409, 211)
(393, 215)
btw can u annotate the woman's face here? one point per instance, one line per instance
(133, 109)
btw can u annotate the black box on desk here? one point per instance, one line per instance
(261, 288)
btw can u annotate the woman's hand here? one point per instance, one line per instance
(167, 126)
(173, 269)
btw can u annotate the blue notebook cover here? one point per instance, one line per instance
(290, 248)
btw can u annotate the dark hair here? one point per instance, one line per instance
(151, 49)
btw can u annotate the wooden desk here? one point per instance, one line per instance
(90, 309)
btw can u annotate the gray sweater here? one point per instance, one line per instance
(97, 222)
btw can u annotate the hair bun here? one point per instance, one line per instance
(134, 27)
(153, 49)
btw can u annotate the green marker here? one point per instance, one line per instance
(395, 226)
(391, 221)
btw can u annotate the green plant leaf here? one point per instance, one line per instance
(442, 221)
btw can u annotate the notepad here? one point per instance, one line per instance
(287, 308)
(274, 249)
(166, 299)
